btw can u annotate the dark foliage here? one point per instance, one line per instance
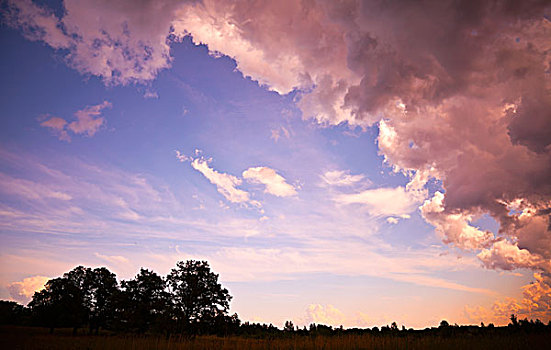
(13, 313)
(98, 289)
(196, 300)
(143, 303)
(189, 301)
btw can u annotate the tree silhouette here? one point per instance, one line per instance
(12, 313)
(189, 300)
(98, 287)
(197, 297)
(514, 320)
(143, 301)
(59, 304)
(289, 327)
(103, 288)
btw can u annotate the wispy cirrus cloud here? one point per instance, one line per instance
(242, 263)
(116, 259)
(31, 189)
(341, 178)
(398, 201)
(47, 199)
(226, 184)
(383, 201)
(277, 133)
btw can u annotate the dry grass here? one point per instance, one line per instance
(38, 338)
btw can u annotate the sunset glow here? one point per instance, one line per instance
(340, 162)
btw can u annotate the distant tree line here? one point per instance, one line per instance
(188, 301)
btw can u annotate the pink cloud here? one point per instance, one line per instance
(324, 314)
(89, 121)
(122, 42)
(534, 304)
(57, 125)
(508, 256)
(22, 291)
(37, 23)
(275, 183)
(464, 99)
(31, 189)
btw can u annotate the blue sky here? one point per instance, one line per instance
(304, 218)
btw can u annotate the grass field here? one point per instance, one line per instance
(39, 338)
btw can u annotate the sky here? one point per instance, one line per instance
(344, 163)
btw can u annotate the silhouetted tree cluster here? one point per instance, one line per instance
(14, 313)
(188, 300)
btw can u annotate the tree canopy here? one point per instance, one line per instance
(189, 299)
(196, 295)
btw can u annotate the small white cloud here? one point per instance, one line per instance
(392, 220)
(150, 94)
(88, 119)
(182, 157)
(275, 183)
(57, 125)
(278, 132)
(275, 135)
(88, 122)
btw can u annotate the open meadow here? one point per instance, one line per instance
(39, 338)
